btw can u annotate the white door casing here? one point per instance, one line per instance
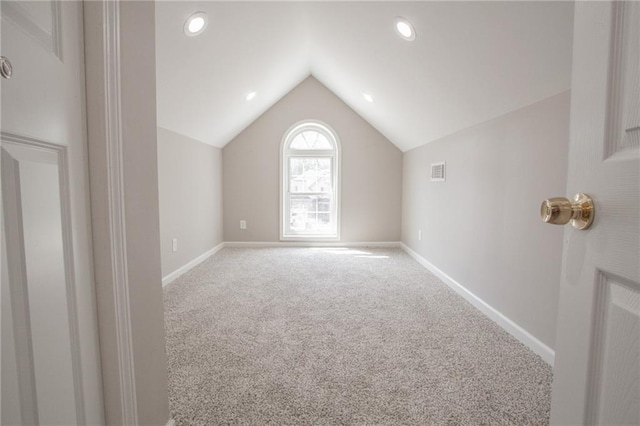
(48, 294)
(2, 243)
(597, 365)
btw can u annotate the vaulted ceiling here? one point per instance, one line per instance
(470, 62)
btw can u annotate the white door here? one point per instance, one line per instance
(597, 365)
(49, 355)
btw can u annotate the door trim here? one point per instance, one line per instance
(116, 211)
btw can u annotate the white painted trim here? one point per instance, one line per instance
(70, 272)
(310, 238)
(264, 244)
(190, 265)
(545, 352)
(117, 227)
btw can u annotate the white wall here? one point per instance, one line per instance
(190, 187)
(482, 226)
(371, 170)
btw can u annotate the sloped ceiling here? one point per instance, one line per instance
(470, 62)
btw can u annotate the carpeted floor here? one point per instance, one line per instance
(309, 336)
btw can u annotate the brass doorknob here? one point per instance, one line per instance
(560, 211)
(6, 69)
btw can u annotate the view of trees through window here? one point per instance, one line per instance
(310, 200)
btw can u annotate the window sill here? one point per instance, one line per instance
(310, 238)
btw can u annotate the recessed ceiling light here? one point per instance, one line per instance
(367, 97)
(404, 28)
(195, 24)
(251, 95)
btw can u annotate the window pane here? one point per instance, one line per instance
(306, 214)
(308, 174)
(324, 218)
(324, 205)
(310, 139)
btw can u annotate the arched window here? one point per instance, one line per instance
(310, 182)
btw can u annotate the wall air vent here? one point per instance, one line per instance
(437, 172)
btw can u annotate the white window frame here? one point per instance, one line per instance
(286, 233)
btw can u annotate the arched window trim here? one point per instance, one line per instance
(286, 234)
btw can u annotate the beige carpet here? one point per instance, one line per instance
(301, 336)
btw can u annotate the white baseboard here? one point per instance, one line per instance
(175, 274)
(545, 352)
(260, 244)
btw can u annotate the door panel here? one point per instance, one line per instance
(40, 285)
(597, 366)
(623, 116)
(49, 324)
(615, 381)
(39, 19)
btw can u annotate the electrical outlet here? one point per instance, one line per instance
(243, 224)
(419, 234)
(174, 245)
